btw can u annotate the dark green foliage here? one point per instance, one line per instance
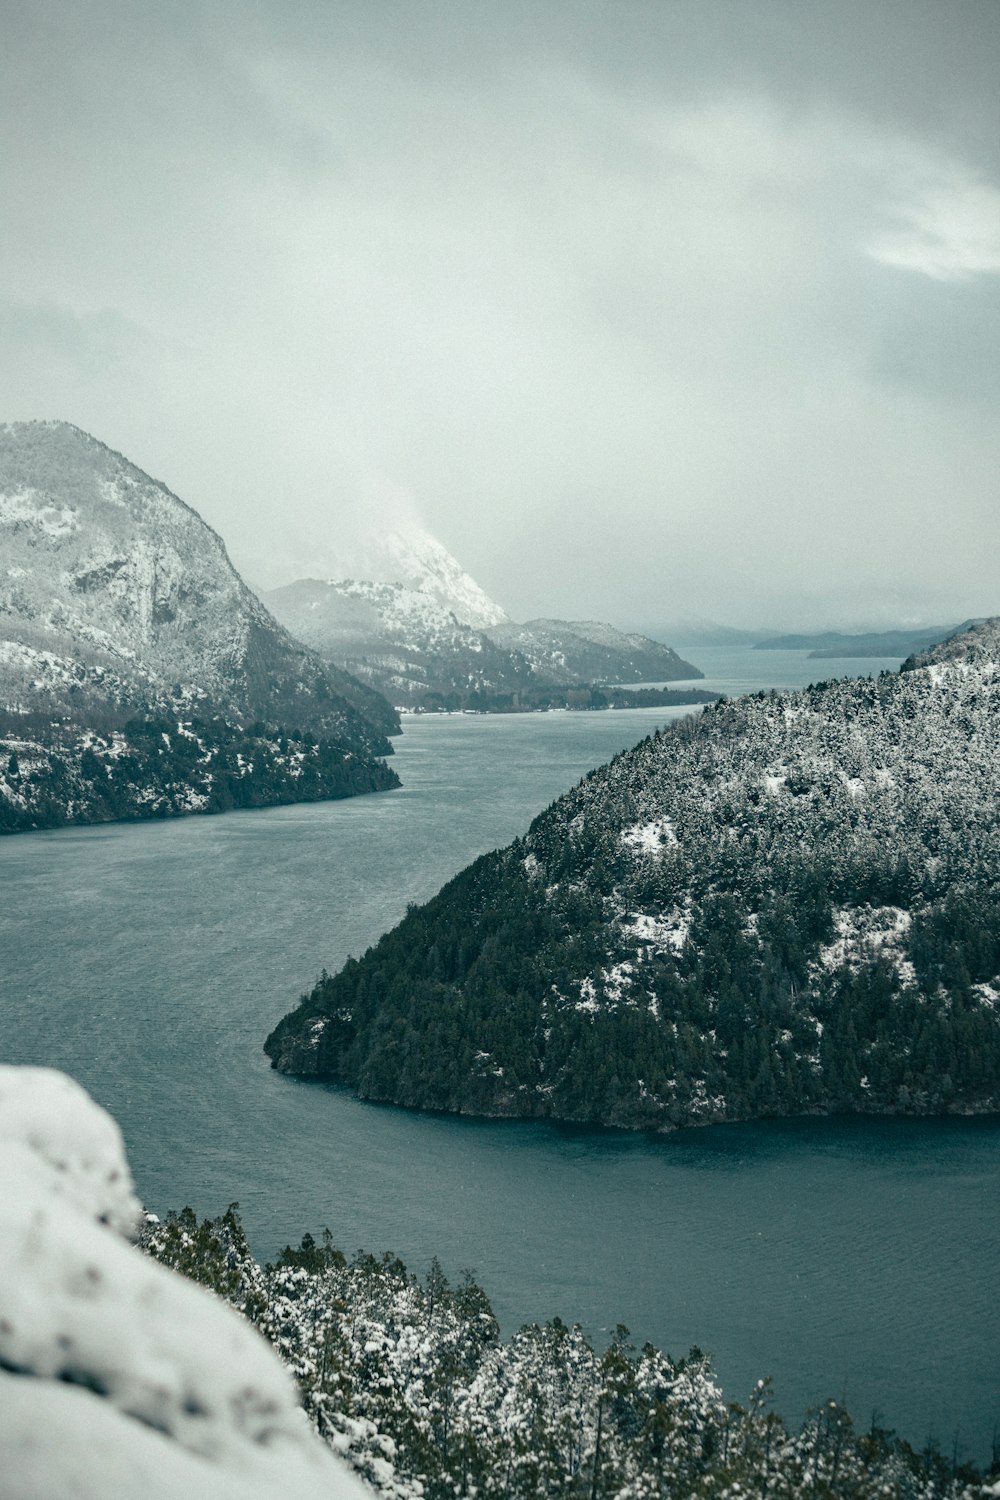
(214, 1253)
(159, 767)
(788, 904)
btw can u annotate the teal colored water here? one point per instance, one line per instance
(846, 1258)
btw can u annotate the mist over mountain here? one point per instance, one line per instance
(414, 559)
(119, 606)
(697, 630)
(831, 644)
(420, 630)
(787, 904)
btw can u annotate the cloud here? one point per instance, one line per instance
(949, 230)
(617, 307)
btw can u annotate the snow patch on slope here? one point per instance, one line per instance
(868, 932)
(27, 507)
(666, 933)
(653, 837)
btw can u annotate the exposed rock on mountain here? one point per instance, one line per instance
(787, 904)
(118, 1377)
(117, 604)
(113, 590)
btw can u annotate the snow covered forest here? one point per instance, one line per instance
(166, 767)
(410, 1381)
(787, 904)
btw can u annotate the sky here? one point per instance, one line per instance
(648, 309)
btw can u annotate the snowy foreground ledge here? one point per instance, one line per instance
(118, 1377)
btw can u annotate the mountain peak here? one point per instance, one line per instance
(415, 559)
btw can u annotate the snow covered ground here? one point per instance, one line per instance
(118, 1377)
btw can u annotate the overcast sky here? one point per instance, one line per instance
(644, 309)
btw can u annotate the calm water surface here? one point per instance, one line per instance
(857, 1259)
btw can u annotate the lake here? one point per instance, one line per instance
(849, 1258)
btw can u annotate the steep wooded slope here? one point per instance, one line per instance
(411, 1382)
(789, 903)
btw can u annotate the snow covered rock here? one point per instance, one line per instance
(116, 1375)
(412, 640)
(116, 596)
(405, 642)
(591, 651)
(415, 560)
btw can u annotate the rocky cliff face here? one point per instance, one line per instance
(114, 595)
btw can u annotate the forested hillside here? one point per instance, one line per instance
(159, 767)
(410, 1380)
(785, 904)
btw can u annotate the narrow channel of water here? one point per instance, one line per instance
(852, 1258)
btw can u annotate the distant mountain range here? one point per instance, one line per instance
(119, 606)
(788, 904)
(431, 638)
(695, 631)
(834, 643)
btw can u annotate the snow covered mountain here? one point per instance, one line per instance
(788, 904)
(139, 676)
(419, 563)
(116, 596)
(403, 642)
(117, 1376)
(590, 651)
(419, 650)
(354, 618)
